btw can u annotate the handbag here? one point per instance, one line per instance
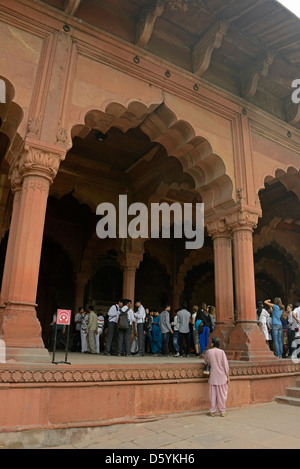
(206, 370)
(199, 326)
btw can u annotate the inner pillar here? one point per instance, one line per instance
(246, 341)
(222, 243)
(20, 328)
(130, 263)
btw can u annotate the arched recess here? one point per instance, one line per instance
(153, 283)
(177, 137)
(277, 236)
(11, 115)
(195, 258)
(279, 269)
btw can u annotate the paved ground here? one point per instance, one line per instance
(263, 426)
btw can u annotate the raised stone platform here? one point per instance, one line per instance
(99, 390)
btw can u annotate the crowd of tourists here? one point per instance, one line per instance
(281, 326)
(125, 330)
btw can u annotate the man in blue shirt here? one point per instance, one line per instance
(277, 309)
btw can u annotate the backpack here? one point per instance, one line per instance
(199, 326)
(123, 320)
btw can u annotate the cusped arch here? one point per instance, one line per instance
(11, 115)
(194, 258)
(288, 175)
(178, 138)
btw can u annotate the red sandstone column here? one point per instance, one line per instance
(246, 342)
(130, 264)
(21, 329)
(223, 279)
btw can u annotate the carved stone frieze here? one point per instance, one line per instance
(93, 373)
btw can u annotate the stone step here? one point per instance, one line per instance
(288, 400)
(293, 392)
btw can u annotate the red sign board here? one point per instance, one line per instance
(63, 317)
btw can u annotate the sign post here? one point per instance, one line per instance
(63, 318)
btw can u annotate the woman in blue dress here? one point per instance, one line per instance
(156, 334)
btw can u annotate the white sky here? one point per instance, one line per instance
(293, 5)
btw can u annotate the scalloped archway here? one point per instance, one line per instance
(177, 137)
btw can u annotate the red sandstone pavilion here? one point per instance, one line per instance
(183, 101)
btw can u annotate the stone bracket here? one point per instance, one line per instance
(203, 49)
(71, 6)
(251, 77)
(146, 21)
(292, 111)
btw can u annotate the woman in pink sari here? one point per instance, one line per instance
(218, 378)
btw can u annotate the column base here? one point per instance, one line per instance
(21, 334)
(27, 355)
(222, 331)
(247, 343)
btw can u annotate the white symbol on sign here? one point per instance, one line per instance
(63, 317)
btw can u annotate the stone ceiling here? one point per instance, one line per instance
(247, 47)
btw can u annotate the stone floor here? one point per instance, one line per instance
(263, 426)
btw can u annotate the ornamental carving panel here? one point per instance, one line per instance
(93, 374)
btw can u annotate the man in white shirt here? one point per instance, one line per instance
(140, 316)
(124, 332)
(113, 317)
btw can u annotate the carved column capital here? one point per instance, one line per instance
(130, 262)
(217, 228)
(242, 220)
(40, 159)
